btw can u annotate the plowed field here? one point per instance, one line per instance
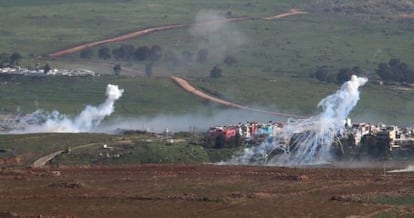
(203, 191)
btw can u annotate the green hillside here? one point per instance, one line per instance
(272, 59)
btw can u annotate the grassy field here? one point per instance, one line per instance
(273, 62)
(87, 149)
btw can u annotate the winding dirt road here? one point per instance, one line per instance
(189, 88)
(179, 81)
(41, 162)
(146, 31)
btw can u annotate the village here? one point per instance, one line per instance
(22, 71)
(399, 139)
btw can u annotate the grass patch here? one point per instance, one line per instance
(138, 151)
(394, 200)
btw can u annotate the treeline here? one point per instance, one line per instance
(394, 71)
(327, 74)
(128, 52)
(10, 60)
(154, 53)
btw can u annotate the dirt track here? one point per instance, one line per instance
(42, 161)
(200, 191)
(189, 88)
(146, 31)
(120, 38)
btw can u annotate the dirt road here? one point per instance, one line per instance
(189, 88)
(146, 31)
(291, 12)
(120, 38)
(42, 161)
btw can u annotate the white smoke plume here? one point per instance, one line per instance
(86, 121)
(216, 34)
(193, 121)
(406, 170)
(307, 141)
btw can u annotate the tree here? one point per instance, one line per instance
(216, 72)
(376, 145)
(202, 56)
(127, 51)
(230, 60)
(384, 71)
(220, 141)
(46, 68)
(148, 69)
(104, 53)
(15, 59)
(117, 69)
(344, 74)
(155, 53)
(86, 54)
(142, 53)
(323, 73)
(4, 59)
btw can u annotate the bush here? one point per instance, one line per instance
(216, 72)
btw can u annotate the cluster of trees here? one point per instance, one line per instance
(154, 53)
(10, 60)
(373, 146)
(327, 74)
(395, 71)
(125, 52)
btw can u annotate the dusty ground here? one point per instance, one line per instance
(199, 191)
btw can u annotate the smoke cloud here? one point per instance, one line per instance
(175, 123)
(406, 170)
(216, 34)
(86, 121)
(307, 141)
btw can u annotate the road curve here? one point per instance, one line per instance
(146, 31)
(189, 88)
(41, 162)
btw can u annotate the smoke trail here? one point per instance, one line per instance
(216, 34)
(307, 141)
(86, 121)
(406, 170)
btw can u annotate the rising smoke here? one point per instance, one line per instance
(197, 121)
(307, 141)
(216, 34)
(86, 121)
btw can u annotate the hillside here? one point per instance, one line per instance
(268, 61)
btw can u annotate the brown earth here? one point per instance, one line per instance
(199, 191)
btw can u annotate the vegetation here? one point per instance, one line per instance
(395, 200)
(395, 71)
(269, 69)
(117, 69)
(216, 72)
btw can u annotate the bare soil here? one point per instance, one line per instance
(199, 191)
